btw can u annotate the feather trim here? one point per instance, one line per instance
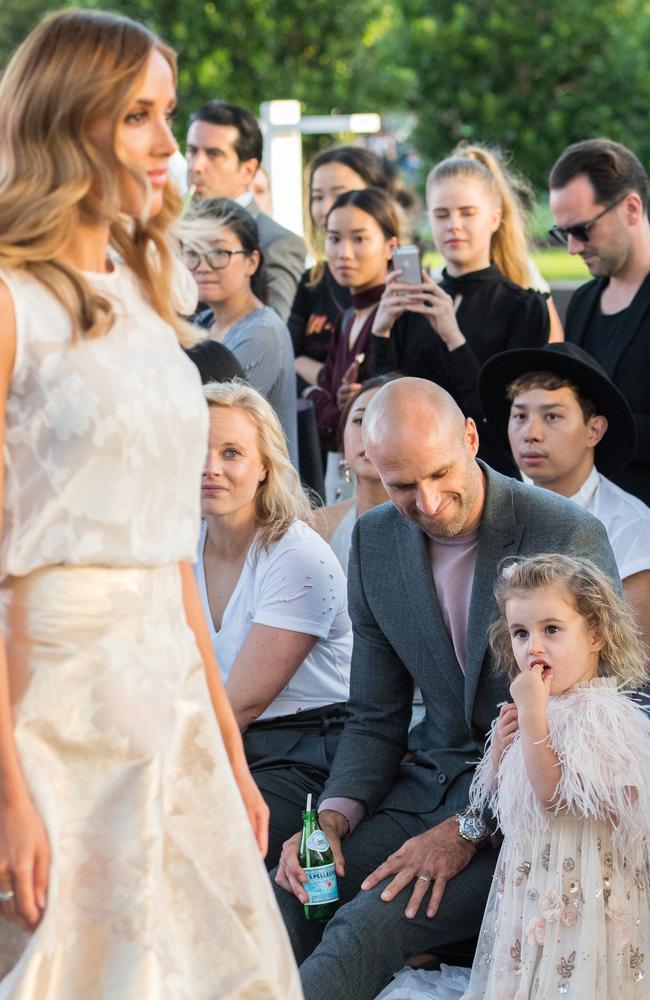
(602, 740)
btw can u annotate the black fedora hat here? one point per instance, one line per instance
(569, 361)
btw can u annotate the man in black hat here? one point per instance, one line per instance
(568, 425)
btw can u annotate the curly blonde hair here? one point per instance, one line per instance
(280, 499)
(623, 656)
(75, 68)
(509, 247)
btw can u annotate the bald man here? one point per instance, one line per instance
(415, 868)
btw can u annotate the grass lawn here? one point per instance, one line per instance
(555, 265)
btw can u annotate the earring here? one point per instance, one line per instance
(347, 475)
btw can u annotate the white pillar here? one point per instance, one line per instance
(280, 123)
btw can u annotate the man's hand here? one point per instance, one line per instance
(432, 857)
(290, 875)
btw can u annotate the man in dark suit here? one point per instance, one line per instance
(599, 196)
(224, 150)
(416, 868)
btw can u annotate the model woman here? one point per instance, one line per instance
(128, 865)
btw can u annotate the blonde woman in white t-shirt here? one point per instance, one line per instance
(275, 598)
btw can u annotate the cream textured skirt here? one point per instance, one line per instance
(157, 890)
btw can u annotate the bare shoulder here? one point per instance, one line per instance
(330, 518)
(7, 338)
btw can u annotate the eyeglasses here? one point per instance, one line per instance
(215, 259)
(580, 231)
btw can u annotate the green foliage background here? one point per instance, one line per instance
(530, 76)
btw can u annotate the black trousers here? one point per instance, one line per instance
(289, 758)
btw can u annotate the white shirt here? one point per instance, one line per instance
(105, 437)
(626, 520)
(296, 584)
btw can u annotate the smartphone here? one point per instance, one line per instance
(407, 260)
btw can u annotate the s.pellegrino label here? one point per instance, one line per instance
(318, 862)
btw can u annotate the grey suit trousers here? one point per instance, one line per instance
(368, 940)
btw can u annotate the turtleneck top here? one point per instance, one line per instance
(339, 358)
(493, 315)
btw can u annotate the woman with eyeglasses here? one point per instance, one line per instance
(445, 331)
(224, 255)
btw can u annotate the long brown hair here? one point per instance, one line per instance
(76, 68)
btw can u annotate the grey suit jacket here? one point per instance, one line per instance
(400, 640)
(284, 260)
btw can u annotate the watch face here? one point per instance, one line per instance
(472, 827)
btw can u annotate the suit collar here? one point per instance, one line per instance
(499, 536)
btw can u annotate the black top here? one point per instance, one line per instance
(493, 315)
(602, 336)
(624, 353)
(314, 313)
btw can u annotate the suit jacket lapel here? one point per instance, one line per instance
(499, 536)
(423, 603)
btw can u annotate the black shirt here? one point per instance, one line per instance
(493, 315)
(601, 340)
(314, 313)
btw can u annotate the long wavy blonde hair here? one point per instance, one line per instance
(280, 499)
(623, 656)
(75, 68)
(509, 247)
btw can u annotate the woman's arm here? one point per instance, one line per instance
(308, 368)
(556, 334)
(24, 848)
(266, 662)
(256, 808)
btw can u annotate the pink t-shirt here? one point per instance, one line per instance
(453, 561)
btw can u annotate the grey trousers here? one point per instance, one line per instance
(289, 759)
(354, 955)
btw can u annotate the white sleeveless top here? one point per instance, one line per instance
(105, 438)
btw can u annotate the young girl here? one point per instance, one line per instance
(565, 774)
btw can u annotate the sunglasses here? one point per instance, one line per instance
(580, 231)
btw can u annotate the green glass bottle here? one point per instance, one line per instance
(317, 860)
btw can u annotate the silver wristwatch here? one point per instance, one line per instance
(471, 827)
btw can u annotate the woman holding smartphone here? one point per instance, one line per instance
(320, 296)
(362, 232)
(446, 331)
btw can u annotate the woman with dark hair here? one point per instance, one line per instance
(339, 519)
(320, 297)
(215, 362)
(224, 255)
(362, 231)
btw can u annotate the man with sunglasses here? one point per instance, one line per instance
(599, 194)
